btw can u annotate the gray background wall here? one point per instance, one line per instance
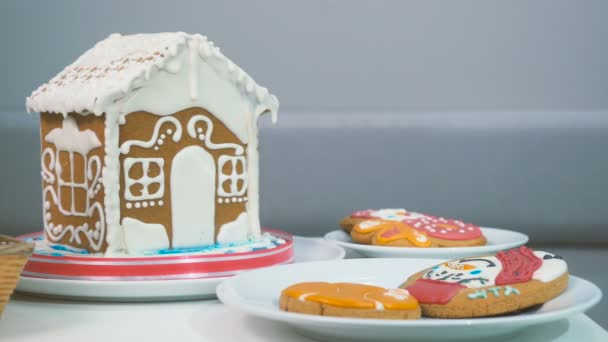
(491, 111)
(347, 54)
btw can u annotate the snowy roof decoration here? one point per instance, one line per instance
(118, 64)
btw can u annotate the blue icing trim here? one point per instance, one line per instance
(475, 272)
(495, 291)
(272, 242)
(266, 242)
(509, 290)
(69, 249)
(478, 294)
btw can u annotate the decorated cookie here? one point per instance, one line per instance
(441, 231)
(449, 232)
(364, 231)
(398, 234)
(349, 300)
(400, 215)
(491, 285)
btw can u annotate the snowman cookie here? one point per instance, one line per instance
(441, 231)
(349, 300)
(507, 282)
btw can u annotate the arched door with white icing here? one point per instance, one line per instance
(193, 198)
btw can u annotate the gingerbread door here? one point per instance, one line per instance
(193, 198)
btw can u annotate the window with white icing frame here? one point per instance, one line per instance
(67, 182)
(231, 180)
(146, 181)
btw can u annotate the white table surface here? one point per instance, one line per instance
(33, 319)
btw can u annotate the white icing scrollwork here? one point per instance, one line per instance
(205, 135)
(155, 139)
(94, 235)
(71, 141)
(93, 177)
(47, 170)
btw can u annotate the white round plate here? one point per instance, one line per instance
(305, 249)
(253, 293)
(498, 240)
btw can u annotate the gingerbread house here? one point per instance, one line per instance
(149, 142)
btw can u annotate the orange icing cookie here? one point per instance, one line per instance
(350, 295)
(398, 230)
(370, 226)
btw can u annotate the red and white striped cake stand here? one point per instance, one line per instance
(158, 277)
(73, 266)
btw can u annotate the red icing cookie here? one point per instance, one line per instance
(448, 229)
(518, 265)
(478, 286)
(362, 214)
(430, 291)
(436, 227)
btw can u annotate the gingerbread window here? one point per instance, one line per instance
(72, 184)
(144, 178)
(232, 176)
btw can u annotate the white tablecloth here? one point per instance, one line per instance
(33, 319)
(30, 319)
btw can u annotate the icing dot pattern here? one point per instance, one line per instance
(228, 200)
(143, 204)
(437, 227)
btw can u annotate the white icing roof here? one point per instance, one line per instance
(118, 64)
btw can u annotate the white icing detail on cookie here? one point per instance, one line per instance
(399, 214)
(379, 305)
(550, 269)
(365, 225)
(420, 237)
(471, 272)
(303, 296)
(398, 294)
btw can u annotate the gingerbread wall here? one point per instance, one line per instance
(57, 222)
(139, 126)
